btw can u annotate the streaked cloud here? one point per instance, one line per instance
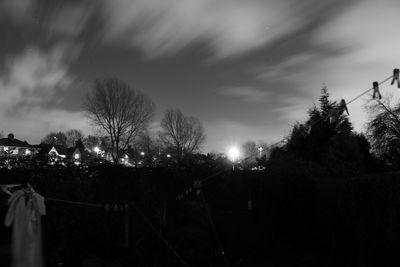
(18, 11)
(246, 93)
(34, 76)
(29, 81)
(70, 20)
(166, 27)
(286, 69)
(227, 27)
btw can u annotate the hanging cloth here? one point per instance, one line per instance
(376, 90)
(396, 74)
(24, 215)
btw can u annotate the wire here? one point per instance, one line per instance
(159, 235)
(136, 208)
(282, 140)
(74, 202)
(221, 247)
(357, 97)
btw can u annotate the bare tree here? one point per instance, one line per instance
(119, 111)
(250, 151)
(73, 136)
(54, 138)
(185, 134)
(91, 141)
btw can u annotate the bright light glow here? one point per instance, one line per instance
(76, 156)
(142, 153)
(233, 153)
(126, 156)
(27, 152)
(96, 149)
(168, 155)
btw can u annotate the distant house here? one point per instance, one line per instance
(11, 146)
(58, 153)
(55, 153)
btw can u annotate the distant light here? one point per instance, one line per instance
(27, 152)
(233, 153)
(168, 155)
(76, 156)
(142, 153)
(126, 156)
(96, 149)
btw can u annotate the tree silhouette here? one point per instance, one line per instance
(185, 134)
(91, 142)
(54, 138)
(383, 130)
(250, 153)
(118, 110)
(327, 138)
(73, 136)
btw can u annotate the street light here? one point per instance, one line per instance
(97, 150)
(233, 154)
(260, 149)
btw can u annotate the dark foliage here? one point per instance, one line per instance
(327, 139)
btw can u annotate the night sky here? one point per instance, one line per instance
(248, 69)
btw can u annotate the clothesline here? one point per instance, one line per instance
(395, 77)
(125, 206)
(75, 202)
(366, 91)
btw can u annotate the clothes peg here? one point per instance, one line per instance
(343, 107)
(376, 90)
(396, 74)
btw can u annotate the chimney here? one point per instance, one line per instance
(11, 136)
